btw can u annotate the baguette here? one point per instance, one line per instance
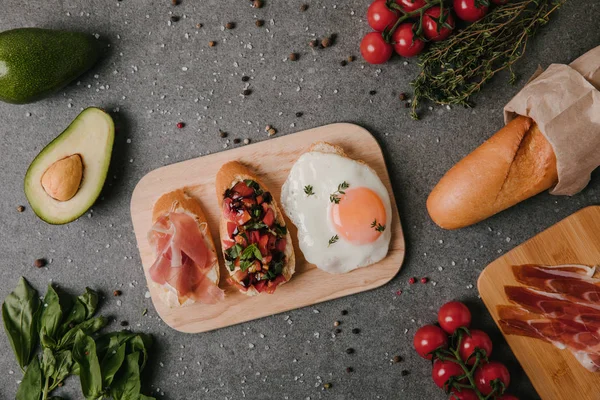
(514, 164)
(228, 176)
(179, 201)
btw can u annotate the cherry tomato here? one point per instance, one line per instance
(507, 397)
(374, 48)
(442, 371)
(464, 394)
(469, 11)
(454, 315)
(380, 16)
(487, 373)
(499, 2)
(430, 24)
(406, 43)
(411, 5)
(427, 339)
(478, 339)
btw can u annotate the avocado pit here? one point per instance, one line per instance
(62, 179)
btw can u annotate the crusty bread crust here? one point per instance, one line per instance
(514, 164)
(232, 173)
(179, 200)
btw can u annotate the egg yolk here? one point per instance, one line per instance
(359, 217)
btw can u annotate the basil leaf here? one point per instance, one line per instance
(56, 304)
(127, 385)
(111, 363)
(234, 252)
(46, 340)
(84, 354)
(141, 343)
(112, 341)
(250, 252)
(88, 327)
(20, 312)
(63, 366)
(31, 385)
(48, 364)
(90, 300)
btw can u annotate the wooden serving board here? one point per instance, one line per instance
(272, 161)
(555, 374)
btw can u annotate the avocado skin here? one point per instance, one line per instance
(37, 62)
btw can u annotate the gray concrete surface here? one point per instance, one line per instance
(158, 74)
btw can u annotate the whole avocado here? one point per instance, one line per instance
(37, 62)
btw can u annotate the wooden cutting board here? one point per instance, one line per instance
(272, 161)
(555, 374)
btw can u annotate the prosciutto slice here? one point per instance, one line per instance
(183, 259)
(560, 305)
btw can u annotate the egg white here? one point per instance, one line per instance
(311, 214)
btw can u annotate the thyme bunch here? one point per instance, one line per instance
(456, 68)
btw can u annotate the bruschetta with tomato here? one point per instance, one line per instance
(257, 247)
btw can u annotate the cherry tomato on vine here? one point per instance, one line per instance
(488, 373)
(430, 24)
(411, 5)
(380, 16)
(442, 371)
(478, 339)
(454, 315)
(406, 43)
(469, 10)
(427, 339)
(374, 48)
(500, 2)
(464, 394)
(507, 397)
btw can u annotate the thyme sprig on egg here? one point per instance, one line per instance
(378, 227)
(333, 240)
(308, 190)
(335, 198)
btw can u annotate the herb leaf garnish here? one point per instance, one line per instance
(333, 240)
(378, 227)
(308, 189)
(334, 197)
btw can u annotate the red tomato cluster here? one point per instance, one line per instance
(461, 364)
(404, 26)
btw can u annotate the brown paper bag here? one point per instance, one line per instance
(564, 101)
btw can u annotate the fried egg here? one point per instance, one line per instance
(341, 209)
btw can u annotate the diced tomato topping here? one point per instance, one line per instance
(243, 218)
(257, 266)
(240, 275)
(228, 212)
(240, 240)
(260, 199)
(262, 244)
(281, 245)
(243, 190)
(269, 217)
(254, 237)
(272, 285)
(267, 259)
(231, 227)
(260, 286)
(228, 243)
(248, 202)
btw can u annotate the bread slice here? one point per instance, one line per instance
(180, 201)
(230, 174)
(517, 162)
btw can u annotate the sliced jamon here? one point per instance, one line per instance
(183, 259)
(551, 304)
(574, 281)
(563, 333)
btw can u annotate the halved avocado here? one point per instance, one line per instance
(66, 178)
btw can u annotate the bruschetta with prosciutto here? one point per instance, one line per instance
(257, 247)
(186, 269)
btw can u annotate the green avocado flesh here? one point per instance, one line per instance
(91, 136)
(37, 62)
